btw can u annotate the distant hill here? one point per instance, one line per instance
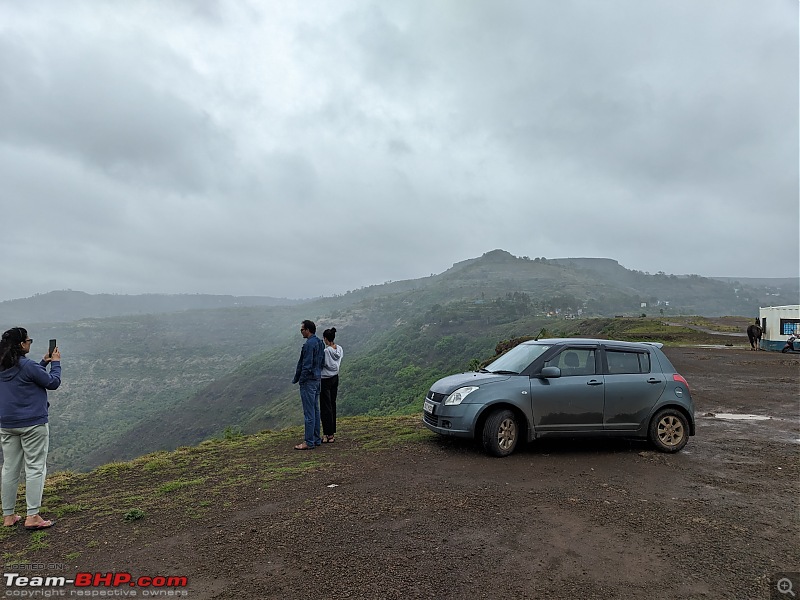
(601, 285)
(67, 305)
(782, 287)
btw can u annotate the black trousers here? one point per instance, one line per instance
(327, 404)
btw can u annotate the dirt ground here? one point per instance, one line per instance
(436, 518)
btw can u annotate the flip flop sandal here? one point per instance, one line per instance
(17, 519)
(42, 525)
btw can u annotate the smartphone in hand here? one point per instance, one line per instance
(51, 348)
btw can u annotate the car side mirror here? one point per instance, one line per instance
(550, 372)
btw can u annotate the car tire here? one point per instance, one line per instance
(669, 430)
(500, 433)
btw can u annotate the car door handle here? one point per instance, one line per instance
(594, 382)
(652, 380)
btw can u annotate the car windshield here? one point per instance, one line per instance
(518, 358)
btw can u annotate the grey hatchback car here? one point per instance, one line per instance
(566, 387)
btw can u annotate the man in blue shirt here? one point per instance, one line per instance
(308, 374)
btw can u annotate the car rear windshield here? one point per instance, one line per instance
(518, 358)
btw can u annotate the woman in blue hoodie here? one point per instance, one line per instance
(24, 429)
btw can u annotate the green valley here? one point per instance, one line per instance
(138, 383)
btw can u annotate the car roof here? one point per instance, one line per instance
(621, 343)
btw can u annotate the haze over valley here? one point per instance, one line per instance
(157, 372)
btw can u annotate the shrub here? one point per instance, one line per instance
(133, 515)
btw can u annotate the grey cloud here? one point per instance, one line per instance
(99, 107)
(188, 147)
(399, 147)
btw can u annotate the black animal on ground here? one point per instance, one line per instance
(754, 335)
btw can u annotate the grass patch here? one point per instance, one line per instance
(380, 433)
(157, 464)
(408, 437)
(194, 513)
(61, 478)
(172, 486)
(132, 500)
(38, 541)
(284, 473)
(713, 325)
(66, 509)
(14, 560)
(669, 330)
(114, 469)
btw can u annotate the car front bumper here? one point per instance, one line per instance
(457, 421)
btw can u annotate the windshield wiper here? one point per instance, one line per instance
(502, 372)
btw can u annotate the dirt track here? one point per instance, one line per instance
(566, 519)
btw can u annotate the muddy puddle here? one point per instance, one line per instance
(736, 417)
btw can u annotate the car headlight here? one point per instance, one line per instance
(458, 396)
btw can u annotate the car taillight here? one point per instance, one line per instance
(676, 377)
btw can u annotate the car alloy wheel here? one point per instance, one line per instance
(669, 430)
(501, 433)
(507, 434)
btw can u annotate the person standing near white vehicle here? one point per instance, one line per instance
(789, 347)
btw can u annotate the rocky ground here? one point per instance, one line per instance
(426, 517)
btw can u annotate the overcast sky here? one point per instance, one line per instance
(311, 147)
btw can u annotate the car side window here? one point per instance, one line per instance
(620, 362)
(574, 361)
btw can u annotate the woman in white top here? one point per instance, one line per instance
(330, 385)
